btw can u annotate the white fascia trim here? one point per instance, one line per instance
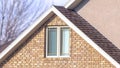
(85, 37)
(22, 35)
(69, 3)
(70, 24)
(72, 4)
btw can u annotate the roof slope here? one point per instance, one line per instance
(92, 33)
(70, 5)
(77, 23)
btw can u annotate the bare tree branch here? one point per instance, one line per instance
(14, 15)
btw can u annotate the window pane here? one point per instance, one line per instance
(52, 41)
(65, 42)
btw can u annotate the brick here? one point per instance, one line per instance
(31, 55)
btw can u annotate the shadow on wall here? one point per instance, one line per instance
(81, 5)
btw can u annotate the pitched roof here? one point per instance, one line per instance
(70, 5)
(78, 24)
(92, 33)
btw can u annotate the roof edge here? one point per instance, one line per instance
(72, 4)
(25, 34)
(39, 22)
(86, 38)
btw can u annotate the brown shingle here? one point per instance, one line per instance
(4, 46)
(92, 33)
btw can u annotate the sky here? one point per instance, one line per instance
(36, 9)
(60, 2)
(42, 5)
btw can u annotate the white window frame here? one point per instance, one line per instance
(58, 41)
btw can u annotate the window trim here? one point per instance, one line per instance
(58, 41)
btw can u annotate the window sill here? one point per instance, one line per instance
(57, 56)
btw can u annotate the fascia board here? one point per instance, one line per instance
(72, 4)
(23, 36)
(86, 38)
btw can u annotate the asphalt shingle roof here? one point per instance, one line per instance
(92, 33)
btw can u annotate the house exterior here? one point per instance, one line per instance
(61, 38)
(104, 16)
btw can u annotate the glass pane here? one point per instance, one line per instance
(52, 41)
(65, 42)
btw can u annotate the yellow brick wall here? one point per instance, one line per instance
(82, 55)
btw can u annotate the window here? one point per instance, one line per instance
(64, 42)
(57, 41)
(52, 41)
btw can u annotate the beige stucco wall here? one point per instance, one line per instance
(104, 15)
(32, 55)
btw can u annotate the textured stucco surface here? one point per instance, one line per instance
(104, 15)
(32, 55)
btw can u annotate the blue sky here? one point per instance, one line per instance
(37, 8)
(60, 2)
(43, 5)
